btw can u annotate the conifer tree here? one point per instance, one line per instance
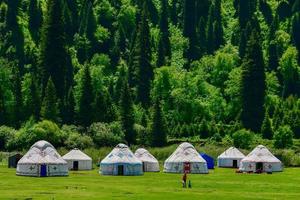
(127, 114)
(3, 116)
(273, 56)
(210, 37)
(69, 116)
(189, 31)
(53, 52)
(253, 84)
(266, 129)
(16, 38)
(202, 37)
(142, 60)
(296, 32)
(35, 19)
(164, 49)
(49, 110)
(17, 91)
(158, 127)
(33, 104)
(218, 26)
(85, 113)
(104, 110)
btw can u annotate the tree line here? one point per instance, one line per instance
(174, 68)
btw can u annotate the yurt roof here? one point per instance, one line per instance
(261, 154)
(42, 152)
(145, 156)
(232, 153)
(76, 154)
(121, 154)
(185, 153)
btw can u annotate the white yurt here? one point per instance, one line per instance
(42, 160)
(186, 159)
(150, 163)
(261, 159)
(230, 158)
(121, 162)
(77, 160)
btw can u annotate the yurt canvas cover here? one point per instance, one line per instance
(121, 161)
(209, 160)
(261, 159)
(186, 159)
(77, 160)
(230, 158)
(42, 160)
(150, 163)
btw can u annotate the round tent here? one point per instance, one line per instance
(42, 160)
(77, 160)
(150, 163)
(186, 159)
(209, 160)
(230, 158)
(261, 159)
(121, 161)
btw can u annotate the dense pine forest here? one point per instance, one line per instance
(83, 73)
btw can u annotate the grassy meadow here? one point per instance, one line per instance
(219, 184)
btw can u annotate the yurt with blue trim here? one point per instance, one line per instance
(121, 162)
(209, 160)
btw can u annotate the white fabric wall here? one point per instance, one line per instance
(34, 170)
(82, 164)
(129, 169)
(267, 167)
(227, 162)
(151, 167)
(196, 168)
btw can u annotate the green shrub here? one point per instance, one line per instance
(31, 133)
(242, 139)
(6, 134)
(75, 139)
(283, 137)
(104, 134)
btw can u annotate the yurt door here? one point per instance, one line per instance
(234, 164)
(120, 170)
(43, 170)
(75, 165)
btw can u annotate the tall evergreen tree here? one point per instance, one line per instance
(296, 32)
(16, 38)
(35, 19)
(164, 52)
(127, 115)
(202, 37)
(142, 60)
(33, 103)
(158, 128)
(218, 25)
(53, 52)
(189, 31)
(273, 56)
(85, 113)
(266, 129)
(210, 37)
(69, 115)
(253, 85)
(17, 91)
(3, 116)
(49, 110)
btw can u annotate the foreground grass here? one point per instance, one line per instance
(219, 184)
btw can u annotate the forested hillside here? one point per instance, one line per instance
(98, 72)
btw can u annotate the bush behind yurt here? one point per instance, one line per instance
(31, 133)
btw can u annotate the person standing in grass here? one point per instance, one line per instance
(184, 178)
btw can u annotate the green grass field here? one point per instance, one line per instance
(219, 184)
